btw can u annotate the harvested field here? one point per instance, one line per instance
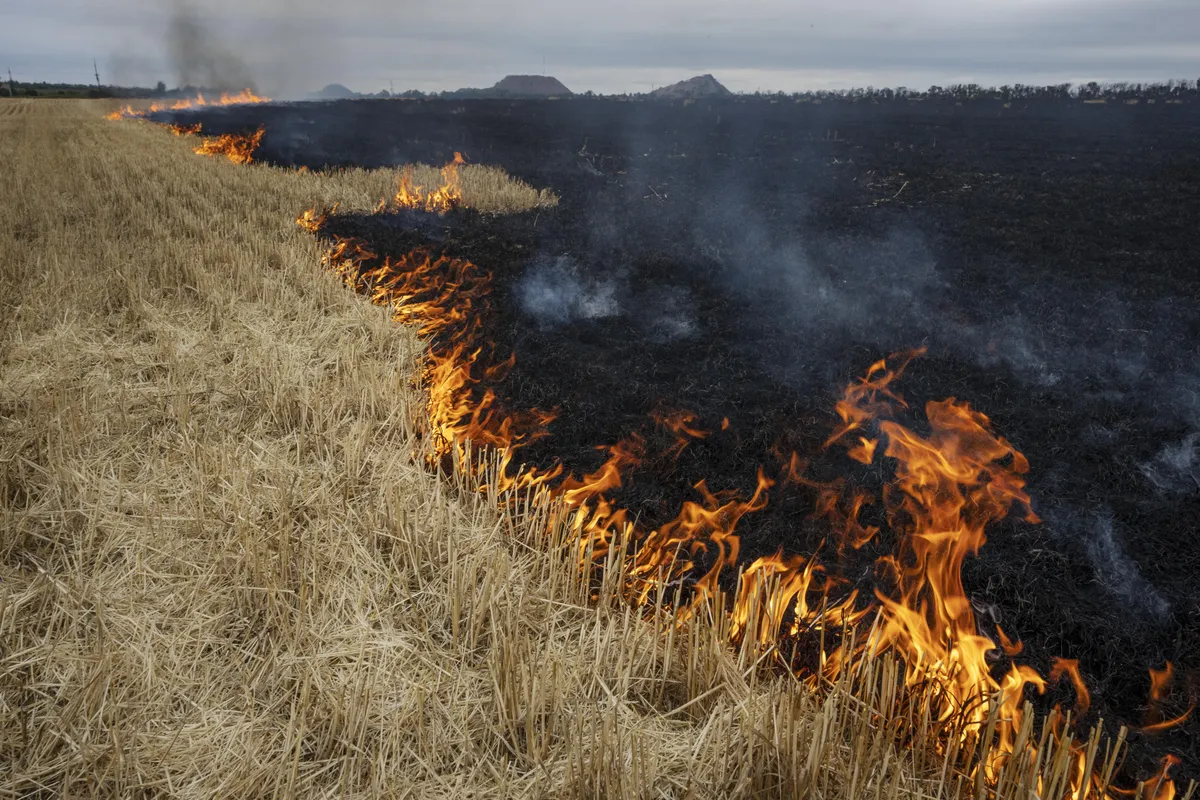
(228, 574)
(745, 261)
(222, 574)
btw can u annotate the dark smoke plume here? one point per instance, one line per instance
(280, 49)
(199, 58)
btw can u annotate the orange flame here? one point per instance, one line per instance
(441, 200)
(682, 424)
(184, 130)
(1011, 649)
(1160, 786)
(313, 220)
(237, 147)
(1070, 667)
(948, 487)
(246, 96)
(1160, 687)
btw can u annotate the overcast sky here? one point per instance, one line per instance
(614, 45)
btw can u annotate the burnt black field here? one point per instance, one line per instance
(746, 259)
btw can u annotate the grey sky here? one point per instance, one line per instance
(618, 45)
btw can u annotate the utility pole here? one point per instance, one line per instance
(11, 93)
(96, 69)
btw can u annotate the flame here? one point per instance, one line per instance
(244, 97)
(441, 200)
(947, 487)
(1070, 667)
(184, 130)
(1160, 786)
(313, 220)
(1160, 687)
(237, 147)
(682, 424)
(1011, 649)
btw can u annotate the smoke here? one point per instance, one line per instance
(279, 49)
(818, 292)
(555, 292)
(199, 58)
(1176, 467)
(1118, 573)
(1100, 536)
(667, 314)
(824, 292)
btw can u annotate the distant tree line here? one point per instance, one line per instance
(90, 90)
(1018, 92)
(1178, 90)
(74, 90)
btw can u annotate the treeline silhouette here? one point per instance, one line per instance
(1122, 91)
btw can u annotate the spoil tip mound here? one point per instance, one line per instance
(334, 91)
(693, 88)
(532, 86)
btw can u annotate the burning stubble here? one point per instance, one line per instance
(1092, 354)
(833, 308)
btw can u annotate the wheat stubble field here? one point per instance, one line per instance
(222, 573)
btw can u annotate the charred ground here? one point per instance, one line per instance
(746, 259)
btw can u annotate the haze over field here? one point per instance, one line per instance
(620, 46)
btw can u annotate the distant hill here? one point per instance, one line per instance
(334, 91)
(531, 86)
(691, 89)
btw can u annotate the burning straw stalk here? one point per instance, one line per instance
(948, 487)
(458, 182)
(237, 147)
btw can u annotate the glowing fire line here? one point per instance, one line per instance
(244, 97)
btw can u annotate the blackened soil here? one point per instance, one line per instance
(746, 259)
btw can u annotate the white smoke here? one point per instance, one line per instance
(1176, 467)
(555, 293)
(1117, 571)
(667, 314)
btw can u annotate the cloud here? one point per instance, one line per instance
(776, 44)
